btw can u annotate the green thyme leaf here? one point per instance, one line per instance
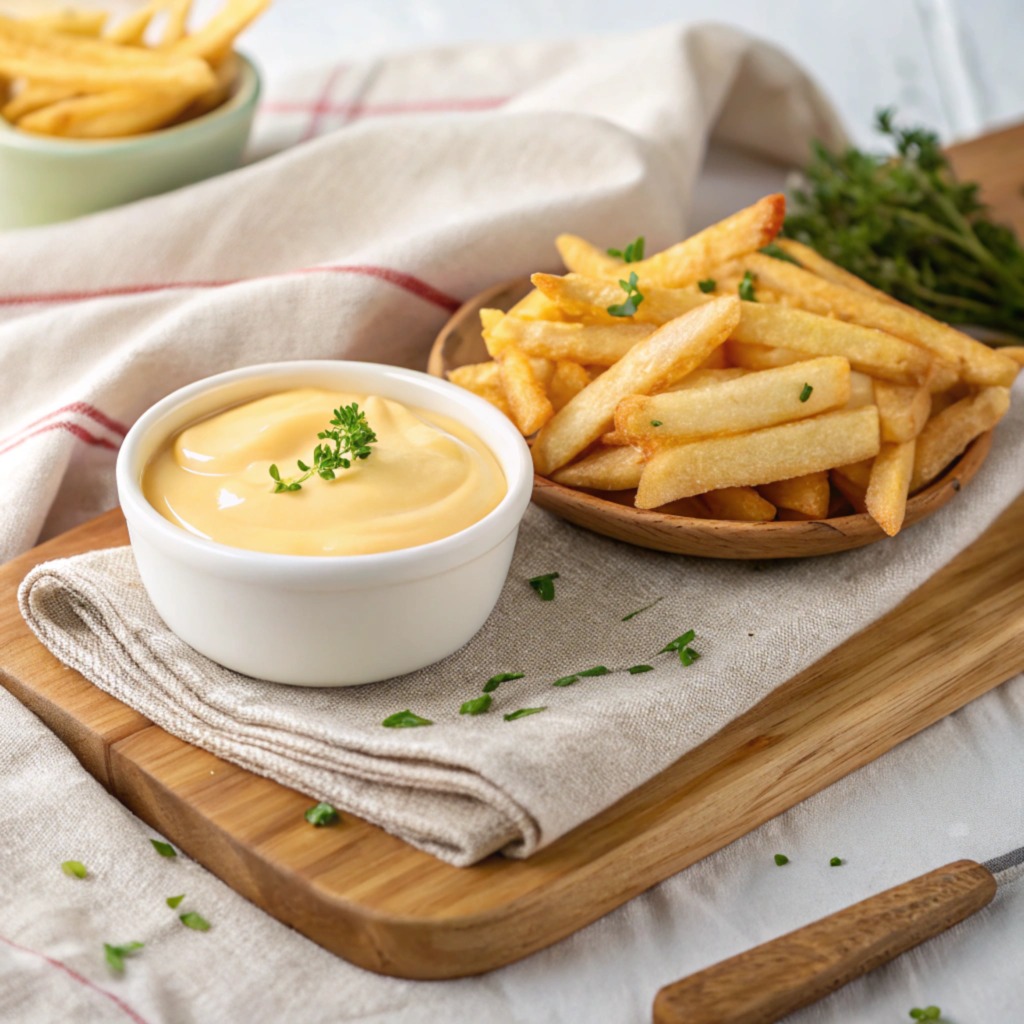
(503, 677)
(655, 423)
(928, 1013)
(352, 438)
(477, 706)
(775, 250)
(544, 585)
(637, 669)
(835, 862)
(746, 288)
(116, 954)
(523, 712)
(626, 618)
(75, 868)
(195, 921)
(707, 286)
(164, 849)
(404, 720)
(688, 656)
(633, 253)
(322, 814)
(633, 297)
(806, 392)
(173, 901)
(780, 859)
(679, 643)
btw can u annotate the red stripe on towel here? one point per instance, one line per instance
(72, 428)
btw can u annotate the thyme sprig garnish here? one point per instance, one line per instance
(352, 438)
(633, 297)
(633, 253)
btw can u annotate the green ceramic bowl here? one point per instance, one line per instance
(43, 180)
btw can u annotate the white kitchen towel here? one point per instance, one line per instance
(468, 785)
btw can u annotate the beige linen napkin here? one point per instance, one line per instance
(466, 786)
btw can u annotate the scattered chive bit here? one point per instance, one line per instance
(633, 253)
(780, 859)
(173, 901)
(747, 288)
(164, 849)
(599, 670)
(707, 286)
(544, 585)
(928, 1013)
(352, 437)
(688, 656)
(322, 814)
(477, 706)
(626, 618)
(116, 954)
(195, 921)
(404, 720)
(75, 868)
(776, 250)
(633, 297)
(655, 423)
(680, 642)
(637, 669)
(806, 393)
(566, 681)
(523, 712)
(836, 862)
(502, 677)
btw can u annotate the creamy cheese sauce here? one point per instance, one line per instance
(427, 478)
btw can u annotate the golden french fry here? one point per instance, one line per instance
(174, 27)
(854, 493)
(568, 380)
(690, 261)
(858, 473)
(483, 379)
(704, 377)
(580, 257)
(132, 27)
(214, 39)
(735, 407)
(107, 115)
(902, 410)
(606, 469)
(190, 77)
(813, 261)
(531, 407)
(71, 22)
(668, 354)
(809, 494)
(761, 457)
(589, 298)
(742, 504)
(948, 434)
(1014, 352)
(975, 362)
(595, 345)
(869, 351)
(226, 70)
(886, 498)
(34, 96)
(760, 357)
(536, 306)
(944, 376)
(718, 360)
(862, 390)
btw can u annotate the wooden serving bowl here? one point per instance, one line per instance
(461, 342)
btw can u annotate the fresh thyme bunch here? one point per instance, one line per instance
(906, 225)
(352, 438)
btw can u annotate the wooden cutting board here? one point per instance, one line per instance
(387, 907)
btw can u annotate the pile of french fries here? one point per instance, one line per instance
(814, 396)
(71, 75)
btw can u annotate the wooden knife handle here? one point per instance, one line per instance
(768, 982)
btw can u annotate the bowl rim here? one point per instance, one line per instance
(377, 568)
(240, 102)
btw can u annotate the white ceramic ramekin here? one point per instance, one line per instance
(324, 621)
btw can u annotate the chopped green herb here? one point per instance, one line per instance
(707, 286)
(600, 670)
(637, 669)
(806, 392)
(747, 288)
(116, 954)
(173, 901)
(477, 706)
(352, 438)
(503, 677)
(679, 643)
(780, 859)
(404, 720)
(322, 814)
(774, 249)
(655, 423)
(633, 253)
(195, 921)
(626, 618)
(75, 868)
(633, 297)
(835, 862)
(566, 681)
(523, 712)
(164, 849)
(544, 585)
(928, 1013)
(688, 656)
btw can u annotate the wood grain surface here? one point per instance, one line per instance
(376, 901)
(766, 983)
